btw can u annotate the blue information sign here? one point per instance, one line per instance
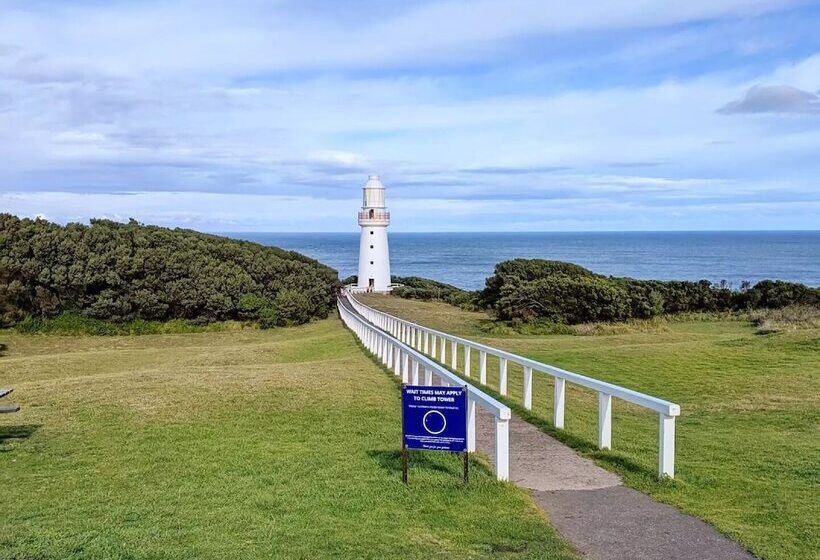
(434, 417)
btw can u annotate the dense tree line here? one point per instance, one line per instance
(533, 289)
(120, 272)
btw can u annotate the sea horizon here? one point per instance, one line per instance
(466, 259)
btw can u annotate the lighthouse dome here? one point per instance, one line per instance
(373, 182)
(373, 193)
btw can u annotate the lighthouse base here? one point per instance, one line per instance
(374, 260)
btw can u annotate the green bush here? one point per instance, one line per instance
(292, 308)
(123, 272)
(268, 317)
(529, 290)
(413, 287)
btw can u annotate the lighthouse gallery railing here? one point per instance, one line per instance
(425, 340)
(409, 363)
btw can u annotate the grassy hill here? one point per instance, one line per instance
(250, 444)
(748, 455)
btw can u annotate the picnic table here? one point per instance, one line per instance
(5, 408)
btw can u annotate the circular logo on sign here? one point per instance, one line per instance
(434, 422)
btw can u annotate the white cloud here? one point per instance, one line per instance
(203, 98)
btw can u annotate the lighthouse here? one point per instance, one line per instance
(374, 257)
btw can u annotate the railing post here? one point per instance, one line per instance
(559, 398)
(604, 421)
(390, 356)
(428, 376)
(433, 345)
(502, 449)
(415, 377)
(443, 357)
(502, 376)
(467, 361)
(470, 425)
(527, 397)
(666, 450)
(454, 355)
(426, 346)
(482, 367)
(397, 361)
(405, 367)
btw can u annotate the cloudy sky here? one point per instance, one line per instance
(507, 115)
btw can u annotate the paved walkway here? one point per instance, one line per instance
(592, 509)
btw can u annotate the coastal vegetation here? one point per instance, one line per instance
(414, 287)
(548, 294)
(120, 272)
(747, 452)
(247, 444)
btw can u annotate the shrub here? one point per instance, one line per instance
(414, 287)
(534, 290)
(122, 272)
(292, 308)
(268, 317)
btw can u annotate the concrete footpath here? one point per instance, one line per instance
(592, 509)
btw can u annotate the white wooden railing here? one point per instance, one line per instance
(409, 363)
(426, 339)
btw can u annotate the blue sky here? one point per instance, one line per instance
(520, 115)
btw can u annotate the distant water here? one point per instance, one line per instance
(466, 259)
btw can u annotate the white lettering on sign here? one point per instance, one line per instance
(428, 395)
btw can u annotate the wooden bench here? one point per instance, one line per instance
(7, 408)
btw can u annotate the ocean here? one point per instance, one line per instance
(467, 259)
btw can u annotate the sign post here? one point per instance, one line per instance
(434, 418)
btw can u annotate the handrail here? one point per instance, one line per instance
(405, 360)
(666, 410)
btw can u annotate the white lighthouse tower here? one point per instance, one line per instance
(374, 257)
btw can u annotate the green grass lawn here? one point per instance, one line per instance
(748, 438)
(248, 444)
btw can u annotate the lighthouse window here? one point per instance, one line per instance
(371, 246)
(371, 262)
(371, 232)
